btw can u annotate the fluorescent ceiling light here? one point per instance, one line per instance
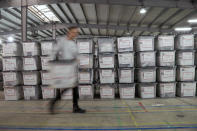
(183, 29)
(10, 39)
(143, 11)
(0, 41)
(192, 21)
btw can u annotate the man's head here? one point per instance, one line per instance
(72, 32)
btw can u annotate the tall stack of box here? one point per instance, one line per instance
(166, 72)
(126, 67)
(185, 54)
(107, 71)
(31, 68)
(146, 71)
(12, 67)
(86, 68)
(46, 51)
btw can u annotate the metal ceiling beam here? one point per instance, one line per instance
(148, 3)
(64, 25)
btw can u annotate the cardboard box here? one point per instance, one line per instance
(12, 49)
(166, 90)
(46, 78)
(126, 75)
(105, 45)
(12, 64)
(185, 41)
(166, 74)
(31, 78)
(126, 59)
(86, 91)
(45, 62)
(186, 73)
(32, 92)
(31, 63)
(145, 59)
(31, 49)
(85, 45)
(47, 47)
(186, 89)
(165, 42)
(85, 76)
(48, 93)
(68, 95)
(146, 75)
(127, 91)
(184, 58)
(13, 93)
(106, 60)
(12, 78)
(166, 58)
(125, 44)
(107, 76)
(85, 61)
(145, 43)
(107, 91)
(147, 90)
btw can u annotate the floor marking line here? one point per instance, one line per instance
(142, 106)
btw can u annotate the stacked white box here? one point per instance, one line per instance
(107, 76)
(48, 93)
(85, 76)
(146, 90)
(166, 58)
(184, 42)
(46, 78)
(146, 75)
(145, 59)
(12, 64)
(126, 59)
(31, 78)
(144, 43)
(127, 91)
(125, 44)
(166, 90)
(166, 74)
(184, 58)
(31, 49)
(106, 45)
(126, 75)
(31, 63)
(12, 49)
(85, 46)
(47, 47)
(85, 61)
(186, 89)
(107, 91)
(13, 93)
(32, 92)
(12, 78)
(86, 91)
(106, 60)
(45, 62)
(165, 42)
(186, 73)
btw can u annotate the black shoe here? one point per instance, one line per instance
(78, 110)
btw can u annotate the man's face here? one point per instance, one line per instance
(73, 33)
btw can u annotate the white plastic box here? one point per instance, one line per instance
(85, 46)
(146, 75)
(85, 61)
(166, 90)
(106, 60)
(184, 58)
(126, 75)
(31, 49)
(166, 74)
(47, 47)
(46, 78)
(31, 78)
(165, 42)
(86, 91)
(107, 91)
(68, 95)
(186, 73)
(12, 49)
(127, 91)
(126, 59)
(85, 76)
(125, 44)
(185, 41)
(186, 89)
(12, 78)
(31, 63)
(145, 59)
(145, 43)
(105, 45)
(13, 93)
(48, 93)
(32, 92)
(107, 76)
(166, 58)
(12, 64)
(45, 62)
(147, 90)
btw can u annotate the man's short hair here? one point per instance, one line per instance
(72, 27)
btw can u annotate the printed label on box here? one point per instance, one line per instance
(189, 91)
(148, 75)
(29, 61)
(84, 60)
(47, 46)
(10, 77)
(106, 47)
(187, 40)
(125, 73)
(107, 91)
(187, 55)
(85, 90)
(187, 75)
(48, 92)
(107, 73)
(128, 91)
(166, 41)
(168, 57)
(84, 47)
(10, 92)
(84, 76)
(29, 47)
(126, 58)
(146, 44)
(148, 92)
(107, 60)
(10, 64)
(125, 43)
(148, 57)
(30, 79)
(168, 88)
(168, 73)
(46, 76)
(30, 91)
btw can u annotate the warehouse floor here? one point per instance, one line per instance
(153, 114)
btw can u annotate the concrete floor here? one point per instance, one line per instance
(177, 114)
